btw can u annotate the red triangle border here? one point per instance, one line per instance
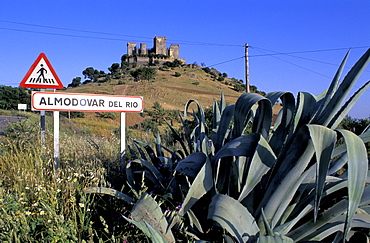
(59, 84)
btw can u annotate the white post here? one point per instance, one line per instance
(123, 136)
(56, 139)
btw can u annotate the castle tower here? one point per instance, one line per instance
(174, 51)
(160, 45)
(143, 50)
(131, 48)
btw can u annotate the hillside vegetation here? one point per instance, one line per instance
(171, 86)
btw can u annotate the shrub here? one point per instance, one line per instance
(177, 74)
(239, 87)
(286, 182)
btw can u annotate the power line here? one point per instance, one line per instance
(58, 34)
(102, 33)
(306, 51)
(226, 61)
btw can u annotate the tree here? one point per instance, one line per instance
(157, 113)
(75, 82)
(93, 74)
(144, 73)
(354, 124)
(88, 73)
(114, 69)
(10, 97)
(239, 87)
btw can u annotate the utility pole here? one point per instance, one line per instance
(247, 89)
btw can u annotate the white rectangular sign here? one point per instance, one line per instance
(22, 106)
(50, 101)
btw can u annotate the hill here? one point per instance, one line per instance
(171, 87)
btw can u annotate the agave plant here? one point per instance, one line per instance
(295, 180)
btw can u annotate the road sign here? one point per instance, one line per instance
(49, 101)
(41, 75)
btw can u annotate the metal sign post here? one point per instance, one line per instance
(41, 75)
(42, 127)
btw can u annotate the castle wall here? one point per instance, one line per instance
(174, 51)
(135, 54)
(142, 60)
(160, 45)
(143, 50)
(131, 48)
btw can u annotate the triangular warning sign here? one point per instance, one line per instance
(41, 75)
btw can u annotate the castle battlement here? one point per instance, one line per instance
(159, 52)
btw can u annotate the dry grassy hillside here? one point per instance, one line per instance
(170, 90)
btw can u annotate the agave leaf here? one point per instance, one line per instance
(244, 145)
(311, 227)
(365, 200)
(306, 109)
(110, 191)
(338, 164)
(307, 204)
(216, 116)
(177, 137)
(338, 118)
(365, 136)
(357, 172)
(323, 140)
(202, 125)
(233, 217)
(273, 239)
(263, 159)
(222, 103)
(219, 137)
(285, 117)
(194, 220)
(343, 90)
(148, 230)
(147, 210)
(333, 86)
(242, 107)
(191, 165)
(158, 145)
(267, 226)
(148, 149)
(150, 167)
(285, 228)
(336, 225)
(263, 118)
(202, 183)
(141, 152)
(286, 181)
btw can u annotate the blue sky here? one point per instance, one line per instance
(294, 45)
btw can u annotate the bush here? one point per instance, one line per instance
(239, 87)
(288, 182)
(196, 82)
(177, 74)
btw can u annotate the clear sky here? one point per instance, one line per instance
(294, 45)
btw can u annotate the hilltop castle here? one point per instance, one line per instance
(157, 55)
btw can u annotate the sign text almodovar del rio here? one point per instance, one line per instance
(50, 101)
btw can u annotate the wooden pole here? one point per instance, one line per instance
(247, 84)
